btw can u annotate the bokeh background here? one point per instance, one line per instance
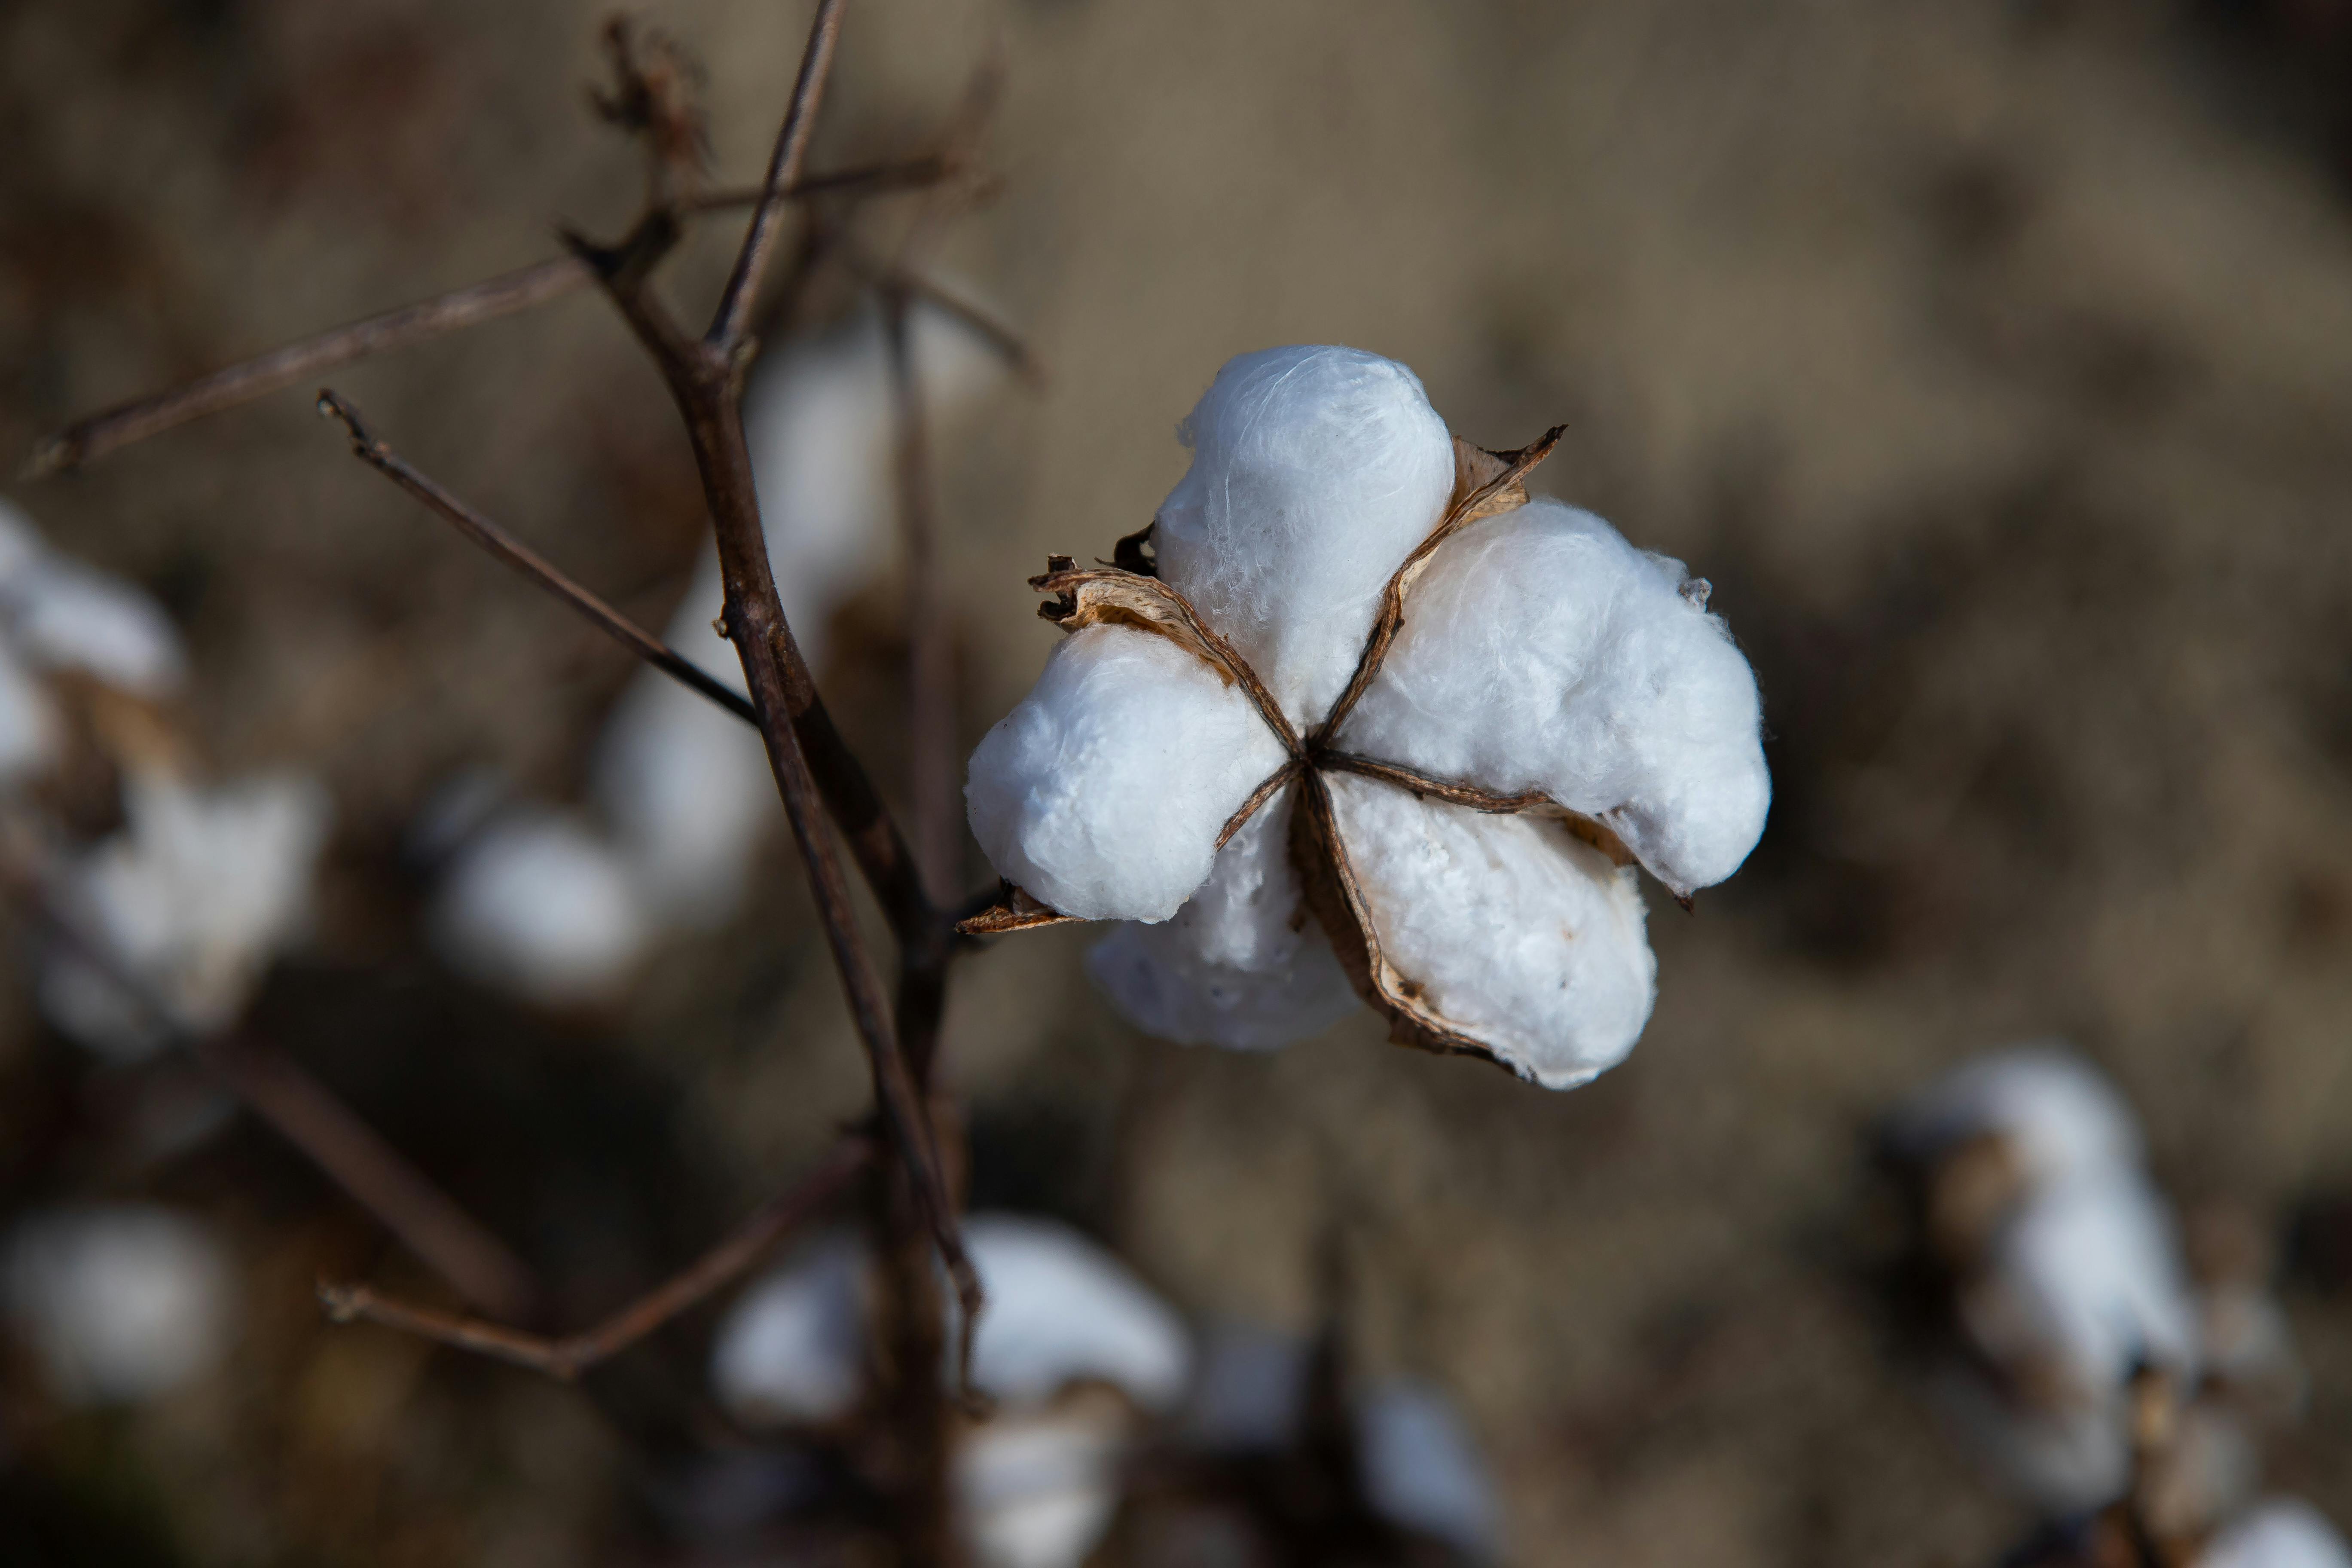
(1993, 360)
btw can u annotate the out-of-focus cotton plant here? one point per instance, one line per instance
(121, 1303)
(680, 795)
(1074, 1354)
(1370, 721)
(169, 922)
(2086, 1369)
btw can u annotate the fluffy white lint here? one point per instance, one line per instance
(122, 1302)
(1103, 792)
(539, 905)
(1315, 472)
(62, 614)
(2279, 1532)
(193, 899)
(1540, 651)
(1039, 1490)
(793, 1348)
(1241, 966)
(1518, 932)
(1421, 1471)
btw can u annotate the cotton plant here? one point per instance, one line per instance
(2091, 1374)
(1074, 1354)
(1369, 721)
(170, 921)
(120, 1302)
(678, 792)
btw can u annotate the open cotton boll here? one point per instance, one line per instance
(2280, 1533)
(1040, 1490)
(62, 614)
(2063, 1121)
(793, 1348)
(1315, 471)
(1421, 1470)
(1103, 792)
(122, 1302)
(539, 905)
(1540, 651)
(1516, 932)
(193, 899)
(1062, 1309)
(1237, 966)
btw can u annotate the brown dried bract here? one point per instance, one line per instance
(1014, 910)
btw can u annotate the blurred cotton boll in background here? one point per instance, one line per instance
(2280, 1533)
(200, 889)
(1073, 1350)
(122, 1302)
(679, 796)
(60, 615)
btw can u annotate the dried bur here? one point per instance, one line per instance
(1368, 721)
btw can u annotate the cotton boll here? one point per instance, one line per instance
(2062, 1120)
(193, 899)
(1103, 792)
(1060, 1310)
(1421, 1472)
(539, 905)
(2064, 1460)
(1040, 1490)
(1315, 473)
(1240, 965)
(30, 730)
(1516, 932)
(1541, 652)
(793, 1349)
(122, 1302)
(2282, 1533)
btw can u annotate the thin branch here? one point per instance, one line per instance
(121, 426)
(783, 168)
(569, 1356)
(874, 179)
(505, 547)
(309, 1115)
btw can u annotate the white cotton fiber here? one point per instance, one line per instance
(196, 895)
(1103, 792)
(2063, 1121)
(64, 615)
(122, 1302)
(1421, 1470)
(1061, 1310)
(1540, 651)
(1518, 933)
(793, 1348)
(1315, 472)
(539, 906)
(2280, 1533)
(1242, 965)
(1039, 1490)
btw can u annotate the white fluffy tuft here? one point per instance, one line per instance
(2279, 1532)
(1241, 964)
(1519, 933)
(1315, 472)
(123, 1302)
(1540, 651)
(1103, 792)
(539, 906)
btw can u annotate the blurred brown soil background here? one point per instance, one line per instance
(1993, 360)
